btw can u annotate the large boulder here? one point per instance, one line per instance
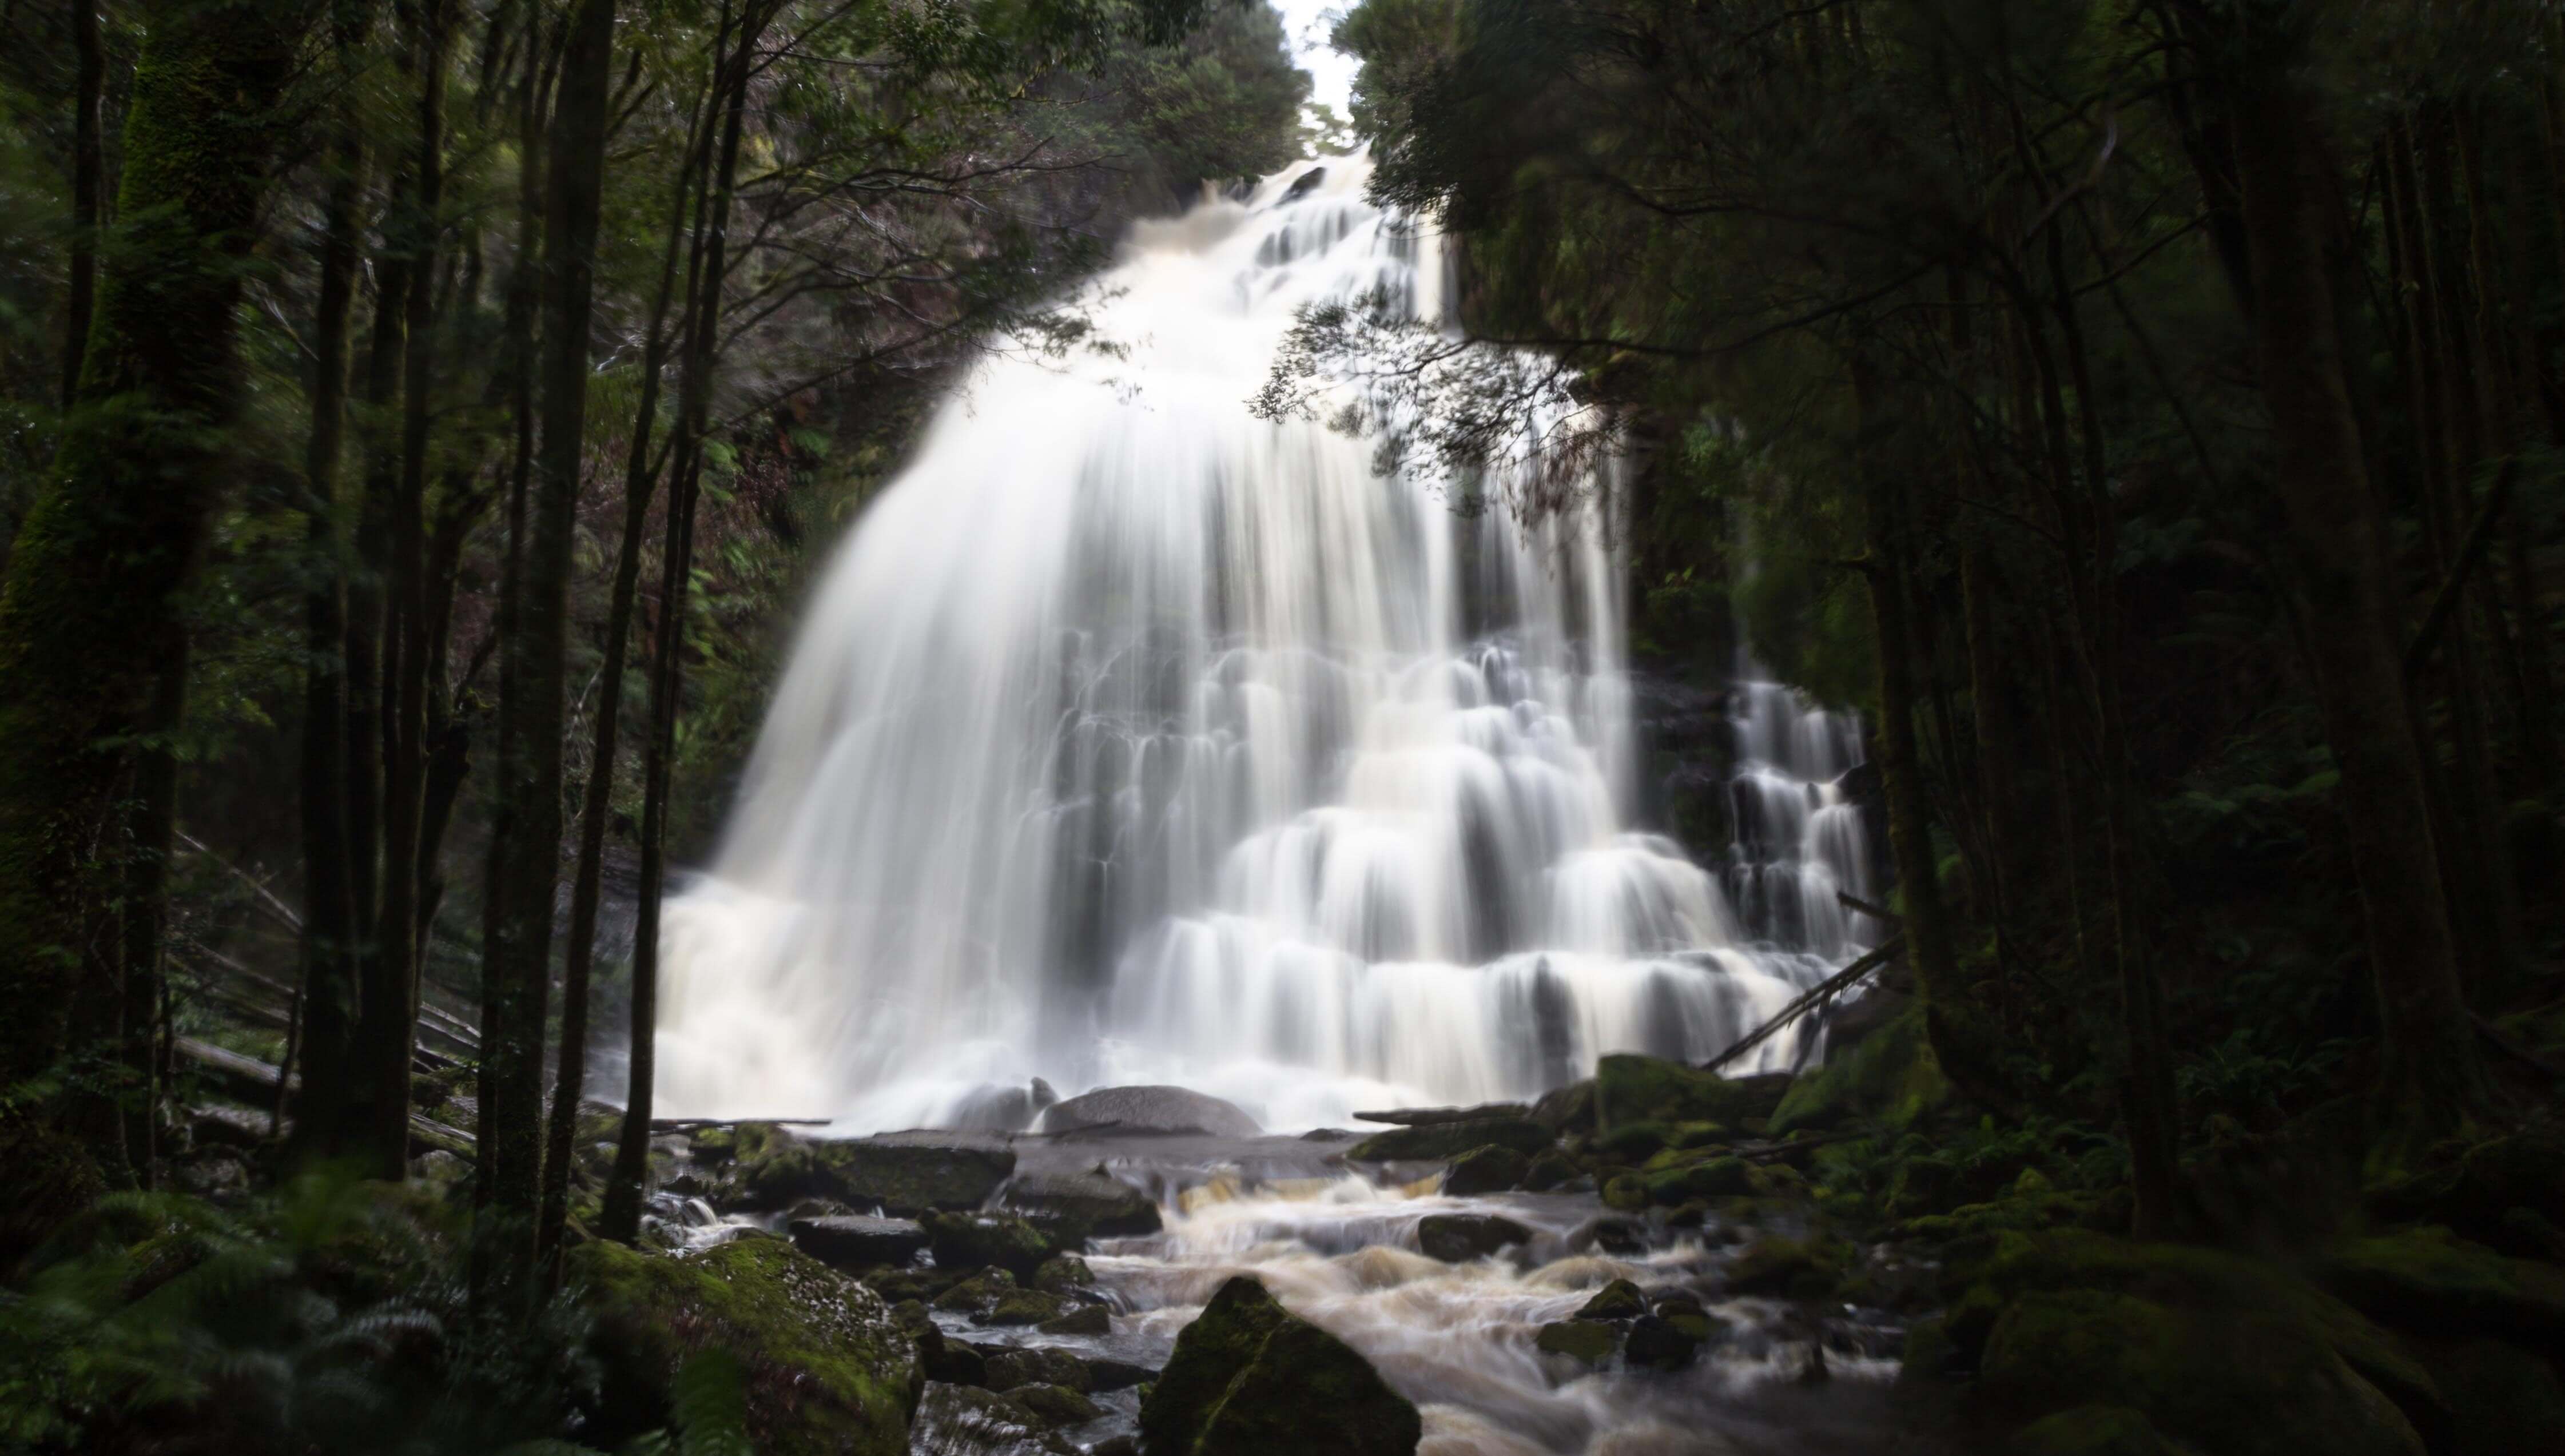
(1248, 1379)
(2233, 1382)
(1038, 1365)
(1892, 1077)
(852, 1241)
(1634, 1089)
(2431, 1280)
(2091, 1430)
(1439, 1141)
(1101, 1205)
(1427, 1116)
(903, 1173)
(908, 1173)
(964, 1240)
(1149, 1109)
(1485, 1171)
(827, 1370)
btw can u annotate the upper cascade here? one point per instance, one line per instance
(1132, 738)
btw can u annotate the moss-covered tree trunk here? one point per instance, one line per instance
(89, 619)
(2431, 1074)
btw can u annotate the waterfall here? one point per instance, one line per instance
(1133, 738)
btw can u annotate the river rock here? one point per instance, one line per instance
(956, 1420)
(907, 1173)
(1104, 1206)
(1038, 1365)
(1057, 1406)
(1586, 1342)
(1619, 1299)
(981, 1240)
(1635, 1089)
(949, 1361)
(1023, 1306)
(1248, 1379)
(1485, 1171)
(995, 1108)
(1149, 1109)
(1062, 1273)
(1657, 1344)
(1081, 1320)
(1437, 1141)
(1458, 1238)
(852, 1241)
(835, 1373)
(1118, 1375)
(977, 1294)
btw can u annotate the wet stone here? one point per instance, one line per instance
(1057, 1407)
(1081, 1320)
(1021, 1306)
(851, 1241)
(1655, 1344)
(1619, 1299)
(1587, 1341)
(1036, 1365)
(1485, 1171)
(1459, 1237)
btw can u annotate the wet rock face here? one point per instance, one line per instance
(1103, 1206)
(903, 1173)
(1143, 1111)
(1248, 1379)
(1039, 1367)
(1485, 1171)
(852, 1241)
(961, 1421)
(1458, 1238)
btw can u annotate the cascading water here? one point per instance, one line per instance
(1133, 738)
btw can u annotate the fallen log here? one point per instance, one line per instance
(1835, 984)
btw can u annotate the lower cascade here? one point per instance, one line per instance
(1135, 739)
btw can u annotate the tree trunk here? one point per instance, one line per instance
(2431, 1078)
(89, 178)
(520, 961)
(89, 617)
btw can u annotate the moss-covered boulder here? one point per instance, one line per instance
(1619, 1299)
(1080, 1319)
(2233, 1382)
(904, 1174)
(1658, 1343)
(1630, 1089)
(981, 1241)
(2092, 1430)
(1017, 1308)
(1892, 1077)
(2433, 1280)
(854, 1241)
(1625, 1192)
(2506, 1192)
(977, 1294)
(1779, 1267)
(1248, 1379)
(1057, 1406)
(1485, 1171)
(2500, 1398)
(828, 1369)
(1589, 1342)
(1062, 1273)
(1437, 1140)
(1712, 1177)
(1568, 1109)
(1551, 1168)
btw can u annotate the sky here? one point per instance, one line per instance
(1307, 22)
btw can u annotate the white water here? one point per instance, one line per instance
(1134, 739)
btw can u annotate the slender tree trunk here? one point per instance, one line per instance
(153, 820)
(88, 617)
(520, 961)
(328, 1006)
(89, 181)
(2431, 1078)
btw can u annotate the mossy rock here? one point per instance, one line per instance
(1306, 1392)
(2433, 1280)
(826, 1368)
(982, 1240)
(1787, 1268)
(2501, 1398)
(2482, 1190)
(1716, 1177)
(1062, 1273)
(1439, 1141)
(2092, 1430)
(1459, 1237)
(1248, 1379)
(1038, 1365)
(1625, 1193)
(1489, 1169)
(1634, 1142)
(1080, 1319)
(1551, 1169)
(1890, 1077)
(978, 1294)
(958, 1418)
(1057, 1407)
(1619, 1299)
(1658, 1343)
(1568, 1109)
(2233, 1382)
(1023, 1306)
(1631, 1088)
(1587, 1341)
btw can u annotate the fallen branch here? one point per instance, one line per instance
(1876, 912)
(1833, 985)
(284, 913)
